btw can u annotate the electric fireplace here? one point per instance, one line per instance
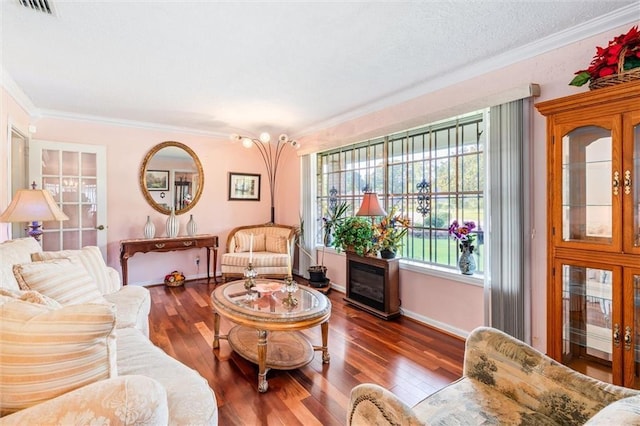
(372, 285)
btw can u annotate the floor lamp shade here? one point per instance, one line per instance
(371, 206)
(33, 205)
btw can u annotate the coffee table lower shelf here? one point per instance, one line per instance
(286, 350)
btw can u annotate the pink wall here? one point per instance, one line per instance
(214, 214)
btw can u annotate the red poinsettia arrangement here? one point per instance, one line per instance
(605, 62)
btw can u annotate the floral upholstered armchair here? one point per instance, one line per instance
(505, 381)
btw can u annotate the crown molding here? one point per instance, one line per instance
(21, 98)
(623, 16)
(87, 118)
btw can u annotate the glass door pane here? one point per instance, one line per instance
(587, 209)
(631, 336)
(75, 175)
(588, 320)
(631, 182)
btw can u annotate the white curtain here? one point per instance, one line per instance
(308, 218)
(507, 276)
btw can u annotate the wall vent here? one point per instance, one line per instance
(43, 6)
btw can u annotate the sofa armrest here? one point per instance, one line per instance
(535, 380)
(114, 281)
(625, 411)
(371, 404)
(125, 400)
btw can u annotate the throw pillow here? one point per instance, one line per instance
(243, 241)
(276, 244)
(31, 296)
(91, 258)
(65, 280)
(46, 352)
(13, 252)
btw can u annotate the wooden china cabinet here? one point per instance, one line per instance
(593, 280)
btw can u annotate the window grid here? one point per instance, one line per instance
(448, 155)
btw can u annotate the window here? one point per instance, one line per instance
(433, 174)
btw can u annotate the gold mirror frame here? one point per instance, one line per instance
(143, 177)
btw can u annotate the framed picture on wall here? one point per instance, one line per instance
(244, 187)
(157, 180)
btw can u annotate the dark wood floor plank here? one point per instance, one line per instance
(408, 358)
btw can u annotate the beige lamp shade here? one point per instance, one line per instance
(371, 206)
(32, 205)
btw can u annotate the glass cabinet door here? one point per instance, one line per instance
(591, 318)
(630, 182)
(631, 337)
(588, 193)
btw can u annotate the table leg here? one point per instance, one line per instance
(123, 263)
(208, 261)
(216, 330)
(215, 262)
(324, 327)
(262, 361)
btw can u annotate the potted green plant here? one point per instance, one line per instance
(389, 233)
(354, 233)
(335, 215)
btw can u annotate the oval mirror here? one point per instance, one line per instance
(171, 176)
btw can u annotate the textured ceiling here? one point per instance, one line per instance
(225, 67)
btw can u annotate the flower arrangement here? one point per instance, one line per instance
(354, 233)
(390, 231)
(462, 233)
(621, 54)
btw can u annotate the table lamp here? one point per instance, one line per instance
(33, 205)
(371, 206)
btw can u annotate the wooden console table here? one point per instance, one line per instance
(158, 245)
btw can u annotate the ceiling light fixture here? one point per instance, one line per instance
(270, 154)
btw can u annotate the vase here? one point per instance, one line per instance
(149, 229)
(192, 227)
(387, 254)
(173, 226)
(467, 260)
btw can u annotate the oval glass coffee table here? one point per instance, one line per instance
(268, 322)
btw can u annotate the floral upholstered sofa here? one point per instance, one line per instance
(271, 255)
(74, 347)
(505, 381)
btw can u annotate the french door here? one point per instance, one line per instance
(75, 174)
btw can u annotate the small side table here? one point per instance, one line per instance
(160, 245)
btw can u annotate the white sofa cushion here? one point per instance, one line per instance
(46, 352)
(191, 400)
(65, 280)
(14, 252)
(91, 258)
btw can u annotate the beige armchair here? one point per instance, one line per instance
(505, 381)
(272, 251)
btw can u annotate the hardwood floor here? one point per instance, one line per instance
(406, 357)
